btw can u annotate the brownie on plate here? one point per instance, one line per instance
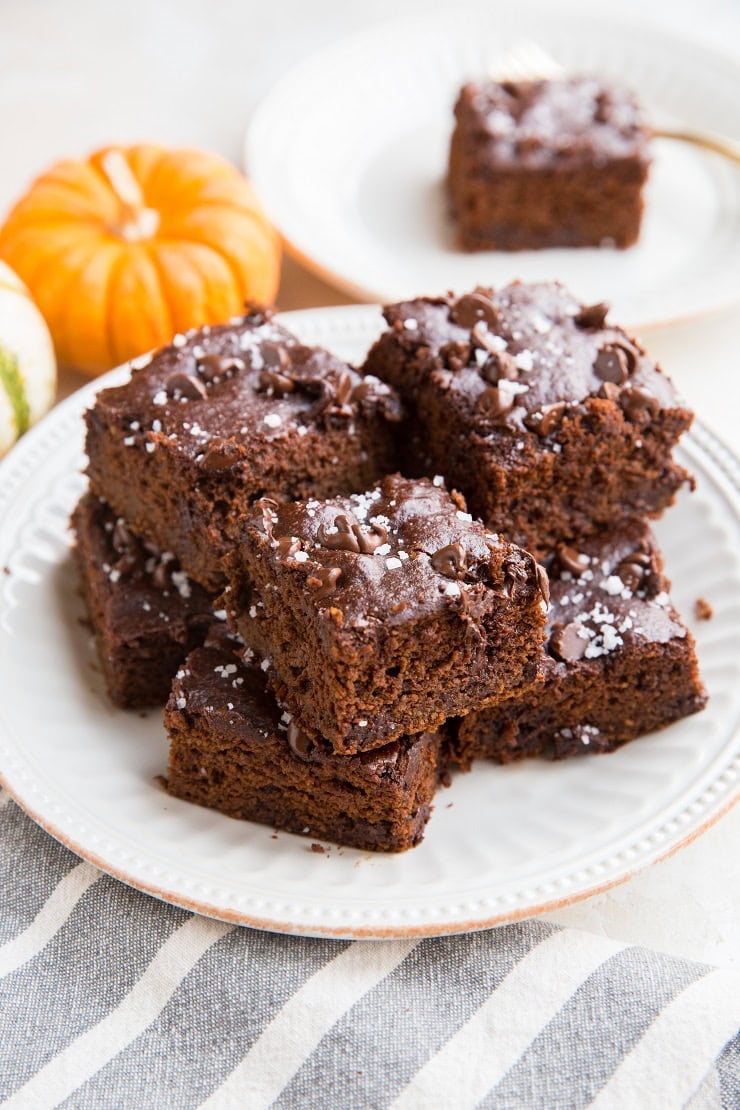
(234, 750)
(551, 421)
(225, 415)
(619, 663)
(145, 612)
(558, 163)
(383, 613)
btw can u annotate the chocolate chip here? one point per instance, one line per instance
(632, 573)
(472, 308)
(609, 391)
(543, 582)
(592, 316)
(495, 402)
(275, 382)
(484, 339)
(450, 560)
(546, 419)
(352, 537)
(275, 357)
(220, 454)
(211, 367)
(611, 364)
(515, 574)
(186, 385)
(572, 561)
(287, 546)
(380, 758)
(455, 355)
(123, 538)
(638, 404)
(161, 575)
(300, 744)
(324, 581)
(567, 644)
(500, 366)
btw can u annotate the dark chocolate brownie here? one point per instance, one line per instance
(551, 421)
(145, 612)
(223, 416)
(383, 613)
(546, 164)
(232, 749)
(619, 663)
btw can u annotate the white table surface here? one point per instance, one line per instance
(87, 72)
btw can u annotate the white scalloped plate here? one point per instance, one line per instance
(503, 842)
(348, 154)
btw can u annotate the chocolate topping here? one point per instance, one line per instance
(324, 581)
(280, 384)
(213, 367)
(186, 385)
(611, 364)
(220, 454)
(638, 404)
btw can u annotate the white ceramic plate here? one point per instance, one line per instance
(348, 153)
(503, 842)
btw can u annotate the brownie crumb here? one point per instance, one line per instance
(318, 848)
(703, 611)
(6, 570)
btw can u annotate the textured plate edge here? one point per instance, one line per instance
(352, 318)
(365, 294)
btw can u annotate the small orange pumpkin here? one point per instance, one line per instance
(124, 249)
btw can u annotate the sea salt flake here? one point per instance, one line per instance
(265, 664)
(156, 425)
(524, 360)
(273, 420)
(129, 441)
(179, 341)
(181, 702)
(393, 563)
(463, 516)
(151, 447)
(438, 480)
(159, 398)
(300, 557)
(181, 582)
(384, 549)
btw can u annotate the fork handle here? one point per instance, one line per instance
(718, 143)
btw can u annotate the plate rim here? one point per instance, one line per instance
(296, 245)
(333, 321)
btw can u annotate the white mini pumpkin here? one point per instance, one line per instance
(28, 371)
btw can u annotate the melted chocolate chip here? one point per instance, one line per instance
(592, 316)
(278, 383)
(275, 357)
(161, 576)
(611, 364)
(380, 759)
(352, 537)
(495, 402)
(472, 308)
(567, 644)
(212, 367)
(450, 560)
(287, 546)
(455, 355)
(638, 404)
(546, 419)
(609, 391)
(515, 574)
(123, 538)
(543, 582)
(500, 365)
(632, 572)
(483, 338)
(572, 561)
(220, 454)
(324, 581)
(185, 385)
(300, 745)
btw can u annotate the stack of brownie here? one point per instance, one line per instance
(333, 573)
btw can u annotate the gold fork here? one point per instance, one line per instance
(529, 62)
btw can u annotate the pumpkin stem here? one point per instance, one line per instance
(137, 221)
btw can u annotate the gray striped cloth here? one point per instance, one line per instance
(109, 998)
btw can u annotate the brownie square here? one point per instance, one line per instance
(558, 163)
(225, 415)
(383, 613)
(551, 421)
(146, 613)
(234, 750)
(619, 663)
